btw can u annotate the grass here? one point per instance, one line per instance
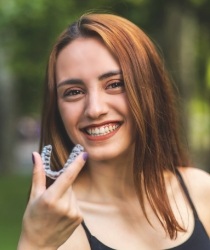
(14, 191)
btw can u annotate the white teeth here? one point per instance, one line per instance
(89, 131)
(102, 130)
(97, 131)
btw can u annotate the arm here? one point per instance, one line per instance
(198, 184)
(52, 214)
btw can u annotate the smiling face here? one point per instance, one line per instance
(92, 99)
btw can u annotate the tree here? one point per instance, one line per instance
(179, 27)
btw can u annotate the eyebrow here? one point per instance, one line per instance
(100, 78)
(109, 74)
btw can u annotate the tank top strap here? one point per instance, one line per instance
(184, 187)
(88, 234)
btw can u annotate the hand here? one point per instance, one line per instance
(52, 214)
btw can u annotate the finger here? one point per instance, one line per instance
(65, 180)
(38, 177)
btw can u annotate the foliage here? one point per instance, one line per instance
(29, 28)
(13, 192)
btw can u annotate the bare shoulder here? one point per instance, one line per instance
(78, 240)
(197, 181)
(198, 184)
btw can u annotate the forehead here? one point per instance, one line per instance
(84, 57)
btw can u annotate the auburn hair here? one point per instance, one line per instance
(151, 99)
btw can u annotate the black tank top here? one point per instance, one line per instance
(199, 239)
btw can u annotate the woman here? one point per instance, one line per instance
(132, 188)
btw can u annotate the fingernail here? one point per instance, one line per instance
(33, 158)
(85, 156)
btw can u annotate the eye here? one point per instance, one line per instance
(116, 84)
(72, 92)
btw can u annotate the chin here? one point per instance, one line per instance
(109, 153)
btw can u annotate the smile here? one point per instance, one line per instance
(102, 130)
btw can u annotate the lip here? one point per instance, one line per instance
(94, 125)
(101, 137)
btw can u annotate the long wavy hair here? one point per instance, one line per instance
(152, 103)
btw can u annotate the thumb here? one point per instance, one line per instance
(38, 176)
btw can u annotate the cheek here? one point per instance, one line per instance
(69, 116)
(129, 118)
(125, 109)
(69, 121)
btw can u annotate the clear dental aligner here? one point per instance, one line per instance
(46, 154)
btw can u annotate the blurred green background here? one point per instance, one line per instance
(28, 29)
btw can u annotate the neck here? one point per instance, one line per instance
(106, 180)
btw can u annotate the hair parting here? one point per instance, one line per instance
(151, 99)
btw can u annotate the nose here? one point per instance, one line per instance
(95, 106)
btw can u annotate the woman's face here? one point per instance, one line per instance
(92, 99)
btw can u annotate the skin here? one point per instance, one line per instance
(93, 97)
(54, 208)
(102, 191)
